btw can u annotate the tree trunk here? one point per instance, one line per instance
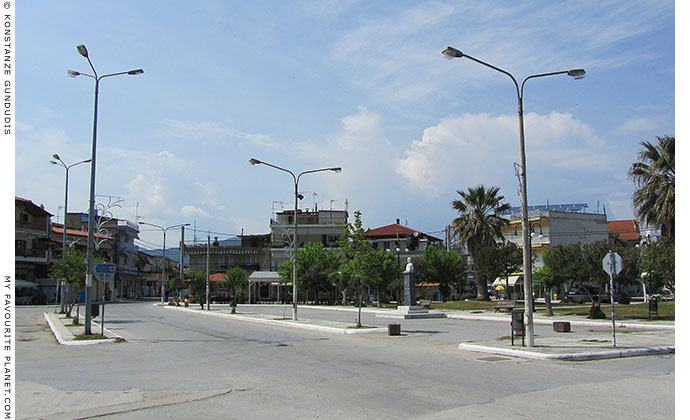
(482, 293)
(507, 289)
(549, 309)
(378, 297)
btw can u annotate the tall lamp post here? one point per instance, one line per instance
(253, 161)
(90, 241)
(64, 222)
(451, 53)
(165, 230)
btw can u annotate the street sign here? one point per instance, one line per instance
(612, 265)
(104, 268)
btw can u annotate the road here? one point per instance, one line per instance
(177, 364)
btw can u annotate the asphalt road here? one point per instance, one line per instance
(179, 365)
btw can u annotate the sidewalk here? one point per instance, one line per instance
(65, 331)
(316, 325)
(587, 340)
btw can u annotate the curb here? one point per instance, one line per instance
(609, 354)
(62, 334)
(572, 322)
(291, 324)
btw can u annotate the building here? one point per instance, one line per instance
(626, 231)
(552, 225)
(317, 227)
(252, 254)
(32, 253)
(125, 254)
(402, 240)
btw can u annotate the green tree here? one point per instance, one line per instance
(479, 224)
(355, 249)
(654, 175)
(658, 261)
(499, 260)
(176, 285)
(545, 279)
(198, 281)
(443, 267)
(236, 280)
(70, 266)
(315, 266)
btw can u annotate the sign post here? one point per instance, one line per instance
(612, 264)
(104, 274)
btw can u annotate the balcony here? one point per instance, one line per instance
(40, 227)
(31, 254)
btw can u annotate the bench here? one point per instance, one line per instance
(424, 303)
(505, 306)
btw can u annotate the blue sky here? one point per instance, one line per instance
(356, 84)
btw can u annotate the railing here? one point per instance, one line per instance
(43, 227)
(33, 253)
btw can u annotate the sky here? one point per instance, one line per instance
(360, 85)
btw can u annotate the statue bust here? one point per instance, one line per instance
(409, 268)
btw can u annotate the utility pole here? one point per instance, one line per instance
(182, 256)
(208, 271)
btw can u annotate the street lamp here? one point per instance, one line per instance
(253, 161)
(451, 53)
(163, 266)
(64, 222)
(90, 241)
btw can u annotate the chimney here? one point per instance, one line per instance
(397, 221)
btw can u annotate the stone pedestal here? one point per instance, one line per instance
(410, 309)
(410, 292)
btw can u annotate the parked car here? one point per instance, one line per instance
(578, 296)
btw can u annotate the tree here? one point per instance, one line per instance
(479, 224)
(355, 248)
(379, 270)
(443, 267)
(236, 280)
(654, 175)
(176, 285)
(198, 281)
(658, 261)
(545, 279)
(315, 265)
(499, 260)
(70, 266)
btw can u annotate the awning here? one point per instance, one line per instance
(265, 277)
(511, 281)
(24, 283)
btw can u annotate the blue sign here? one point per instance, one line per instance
(104, 268)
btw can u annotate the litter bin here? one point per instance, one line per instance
(393, 329)
(94, 309)
(517, 326)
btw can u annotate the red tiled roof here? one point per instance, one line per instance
(627, 230)
(75, 232)
(35, 206)
(396, 229)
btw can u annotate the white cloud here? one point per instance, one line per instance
(480, 149)
(636, 125)
(191, 212)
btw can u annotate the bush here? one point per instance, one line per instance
(623, 299)
(468, 296)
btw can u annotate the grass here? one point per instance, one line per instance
(82, 337)
(667, 310)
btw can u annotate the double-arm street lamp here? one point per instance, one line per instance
(165, 230)
(90, 241)
(253, 161)
(64, 222)
(451, 53)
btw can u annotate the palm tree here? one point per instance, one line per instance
(479, 224)
(654, 176)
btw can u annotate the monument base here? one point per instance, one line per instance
(411, 312)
